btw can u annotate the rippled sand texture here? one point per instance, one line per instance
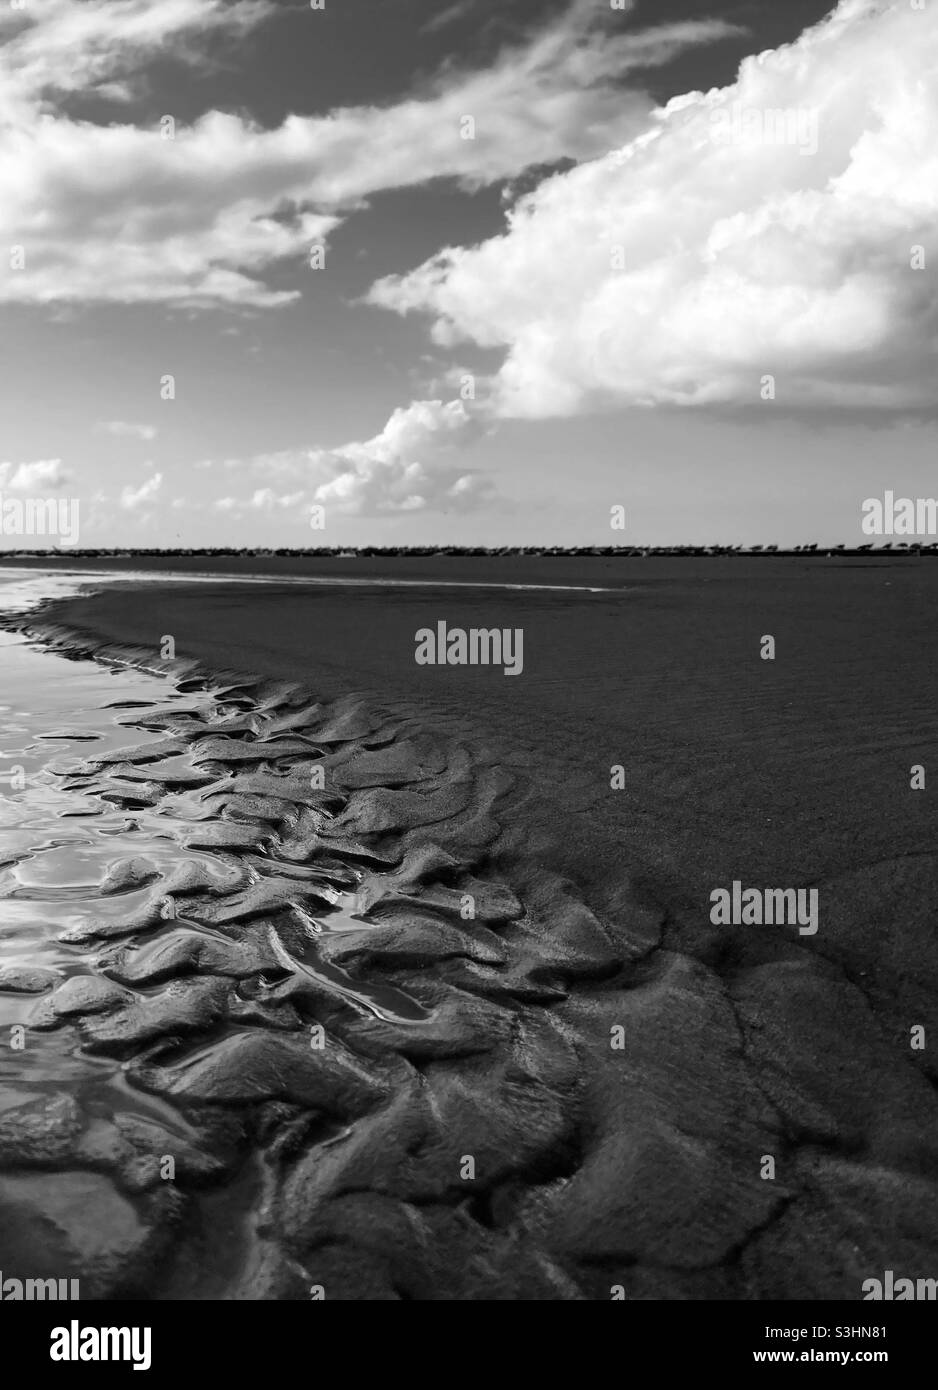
(260, 940)
(262, 875)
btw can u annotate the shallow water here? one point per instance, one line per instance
(330, 581)
(56, 845)
(66, 825)
(58, 842)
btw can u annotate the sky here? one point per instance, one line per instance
(391, 272)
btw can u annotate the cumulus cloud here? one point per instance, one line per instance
(125, 429)
(408, 467)
(116, 212)
(33, 477)
(132, 499)
(766, 228)
(263, 499)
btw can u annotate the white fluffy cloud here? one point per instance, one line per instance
(766, 228)
(57, 46)
(263, 499)
(404, 468)
(33, 477)
(412, 465)
(116, 212)
(132, 499)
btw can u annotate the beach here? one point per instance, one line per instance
(546, 1072)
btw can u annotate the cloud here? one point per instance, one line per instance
(265, 499)
(123, 429)
(766, 228)
(61, 46)
(119, 213)
(407, 467)
(450, 15)
(134, 498)
(33, 477)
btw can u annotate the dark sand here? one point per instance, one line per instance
(740, 1042)
(792, 771)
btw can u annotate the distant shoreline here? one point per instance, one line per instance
(406, 552)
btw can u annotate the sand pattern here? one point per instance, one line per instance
(396, 1060)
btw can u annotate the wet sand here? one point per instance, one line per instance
(641, 1165)
(793, 770)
